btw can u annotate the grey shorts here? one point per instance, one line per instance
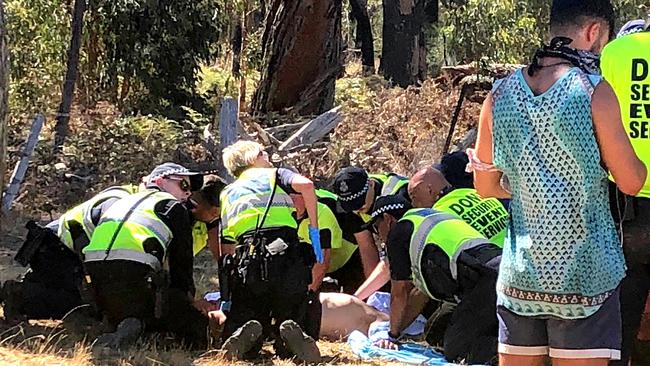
(597, 336)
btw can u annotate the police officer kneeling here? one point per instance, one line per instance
(446, 259)
(138, 238)
(266, 270)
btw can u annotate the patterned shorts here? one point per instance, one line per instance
(597, 336)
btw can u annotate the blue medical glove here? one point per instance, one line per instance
(314, 237)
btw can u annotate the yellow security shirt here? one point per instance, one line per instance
(625, 64)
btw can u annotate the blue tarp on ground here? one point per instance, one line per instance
(408, 352)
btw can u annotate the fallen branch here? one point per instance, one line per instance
(285, 128)
(22, 165)
(314, 130)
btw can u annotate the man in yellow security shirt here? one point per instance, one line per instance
(625, 64)
(429, 188)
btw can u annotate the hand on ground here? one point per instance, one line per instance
(386, 344)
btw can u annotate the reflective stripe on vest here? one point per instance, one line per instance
(82, 214)
(391, 183)
(486, 215)
(141, 225)
(124, 254)
(429, 229)
(244, 202)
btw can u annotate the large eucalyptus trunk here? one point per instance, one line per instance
(364, 38)
(302, 57)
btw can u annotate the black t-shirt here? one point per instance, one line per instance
(179, 251)
(349, 222)
(472, 263)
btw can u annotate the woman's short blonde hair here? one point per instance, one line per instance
(240, 156)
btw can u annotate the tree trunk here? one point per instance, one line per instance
(63, 115)
(302, 57)
(364, 35)
(403, 55)
(4, 95)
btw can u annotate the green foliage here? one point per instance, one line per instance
(158, 47)
(39, 32)
(502, 31)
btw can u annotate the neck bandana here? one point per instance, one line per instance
(585, 60)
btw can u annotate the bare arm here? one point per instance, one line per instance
(368, 251)
(378, 278)
(319, 271)
(615, 148)
(214, 243)
(488, 184)
(399, 299)
(305, 187)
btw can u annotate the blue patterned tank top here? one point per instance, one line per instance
(562, 256)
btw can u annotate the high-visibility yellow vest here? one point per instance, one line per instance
(486, 215)
(141, 224)
(451, 234)
(342, 249)
(199, 236)
(81, 214)
(625, 64)
(390, 183)
(244, 202)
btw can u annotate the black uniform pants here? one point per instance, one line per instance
(635, 213)
(51, 287)
(473, 328)
(275, 291)
(122, 291)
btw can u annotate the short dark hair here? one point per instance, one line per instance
(209, 193)
(566, 13)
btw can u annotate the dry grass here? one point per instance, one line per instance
(45, 342)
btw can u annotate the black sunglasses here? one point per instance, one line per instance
(184, 185)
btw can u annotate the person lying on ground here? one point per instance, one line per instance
(341, 315)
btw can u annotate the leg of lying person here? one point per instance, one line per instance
(472, 332)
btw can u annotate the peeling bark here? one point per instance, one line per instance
(302, 57)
